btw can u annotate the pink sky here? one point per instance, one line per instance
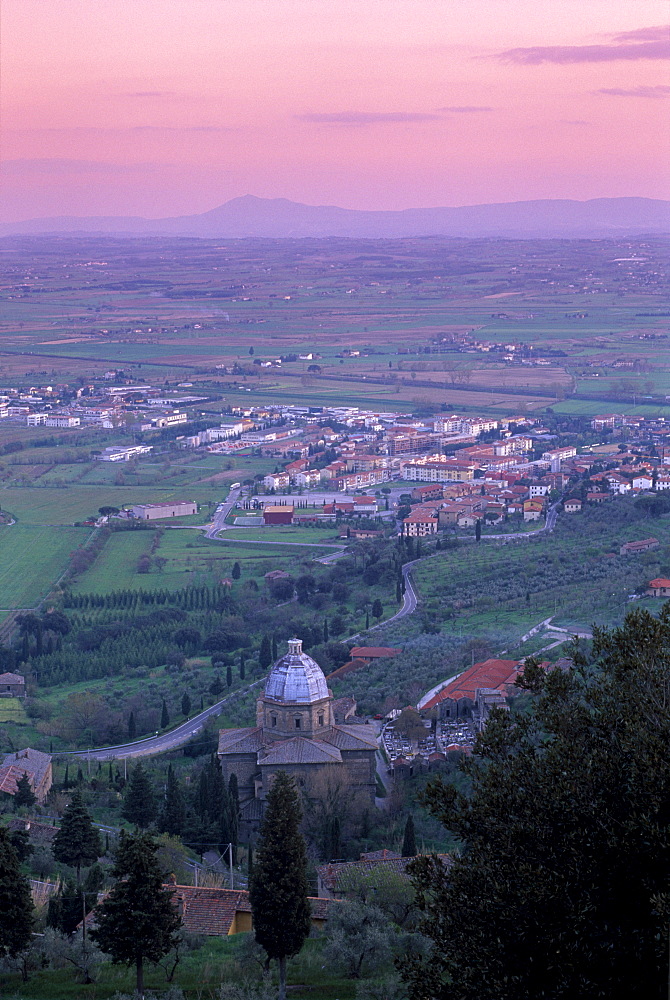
(167, 107)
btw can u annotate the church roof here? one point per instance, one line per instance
(351, 737)
(247, 740)
(301, 750)
(295, 678)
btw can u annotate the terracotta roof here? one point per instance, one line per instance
(496, 674)
(333, 875)
(34, 763)
(12, 679)
(373, 652)
(301, 750)
(659, 582)
(383, 855)
(212, 911)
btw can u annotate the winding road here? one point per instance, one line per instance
(177, 737)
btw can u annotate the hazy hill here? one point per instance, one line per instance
(279, 218)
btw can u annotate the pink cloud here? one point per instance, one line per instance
(660, 90)
(644, 43)
(465, 109)
(366, 117)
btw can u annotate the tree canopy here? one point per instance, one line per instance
(137, 921)
(16, 908)
(77, 842)
(562, 889)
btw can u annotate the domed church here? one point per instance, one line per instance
(295, 732)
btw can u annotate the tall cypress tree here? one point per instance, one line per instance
(132, 728)
(77, 842)
(137, 921)
(265, 653)
(409, 839)
(140, 805)
(16, 907)
(165, 716)
(278, 891)
(173, 813)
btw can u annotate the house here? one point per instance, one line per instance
(12, 686)
(572, 506)
(595, 497)
(368, 653)
(34, 764)
(642, 482)
(337, 878)
(274, 514)
(418, 525)
(532, 510)
(634, 548)
(224, 912)
(660, 587)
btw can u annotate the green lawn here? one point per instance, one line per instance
(32, 559)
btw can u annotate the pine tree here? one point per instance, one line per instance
(165, 716)
(185, 704)
(173, 813)
(24, 795)
(278, 891)
(137, 921)
(265, 653)
(139, 806)
(409, 839)
(16, 907)
(77, 842)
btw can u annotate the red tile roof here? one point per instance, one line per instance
(496, 674)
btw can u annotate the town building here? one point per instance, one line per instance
(295, 732)
(155, 511)
(12, 686)
(660, 587)
(34, 764)
(278, 514)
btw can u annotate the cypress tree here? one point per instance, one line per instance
(77, 842)
(24, 795)
(274, 648)
(325, 630)
(237, 572)
(138, 920)
(139, 806)
(16, 907)
(265, 653)
(278, 890)
(242, 666)
(409, 839)
(229, 676)
(132, 728)
(173, 812)
(185, 704)
(165, 716)
(66, 778)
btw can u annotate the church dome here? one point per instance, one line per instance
(295, 678)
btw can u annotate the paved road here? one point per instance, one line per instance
(409, 601)
(219, 520)
(166, 741)
(549, 525)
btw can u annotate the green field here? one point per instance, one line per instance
(32, 559)
(192, 560)
(11, 710)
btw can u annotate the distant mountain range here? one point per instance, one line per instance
(278, 218)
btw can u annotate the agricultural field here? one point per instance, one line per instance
(31, 560)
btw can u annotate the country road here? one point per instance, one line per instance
(163, 742)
